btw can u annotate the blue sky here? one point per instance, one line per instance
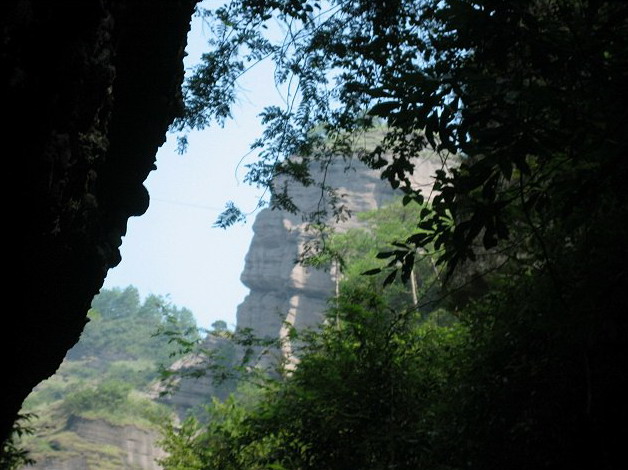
(173, 250)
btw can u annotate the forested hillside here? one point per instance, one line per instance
(99, 401)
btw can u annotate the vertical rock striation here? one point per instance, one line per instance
(282, 290)
(98, 444)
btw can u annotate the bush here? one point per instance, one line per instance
(107, 396)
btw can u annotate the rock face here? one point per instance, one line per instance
(99, 444)
(192, 392)
(282, 290)
(88, 89)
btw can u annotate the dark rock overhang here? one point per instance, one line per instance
(89, 89)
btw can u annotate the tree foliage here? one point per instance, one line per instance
(107, 375)
(122, 327)
(108, 396)
(507, 384)
(525, 103)
(528, 95)
(367, 250)
(363, 396)
(13, 455)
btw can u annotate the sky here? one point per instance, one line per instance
(173, 250)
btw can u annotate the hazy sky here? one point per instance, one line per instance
(173, 250)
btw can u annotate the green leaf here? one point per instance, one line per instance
(390, 278)
(384, 108)
(371, 272)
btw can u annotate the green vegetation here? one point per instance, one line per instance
(122, 328)
(369, 388)
(505, 86)
(523, 363)
(360, 250)
(387, 382)
(107, 376)
(524, 103)
(12, 454)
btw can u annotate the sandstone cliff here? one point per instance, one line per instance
(282, 291)
(90, 444)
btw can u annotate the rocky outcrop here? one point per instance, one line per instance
(97, 444)
(88, 90)
(281, 289)
(186, 393)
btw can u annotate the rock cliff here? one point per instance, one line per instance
(282, 291)
(96, 444)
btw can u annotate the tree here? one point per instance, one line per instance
(364, 395)
(117, 302)
(524, 101)
(219, 326)
(121, 327)
(109, 396)
(506, 86)
(365, 250)
(12, 455)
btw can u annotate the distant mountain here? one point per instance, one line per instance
(102, 409)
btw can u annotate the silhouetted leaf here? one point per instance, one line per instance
(390, 278)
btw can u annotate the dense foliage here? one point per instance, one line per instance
(365, 393)
(364, 249)
(529, 94)
(122, 327)
(503, 383)
(525, 103)
(121, 349)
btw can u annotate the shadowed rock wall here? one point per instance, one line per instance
(88, 90)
